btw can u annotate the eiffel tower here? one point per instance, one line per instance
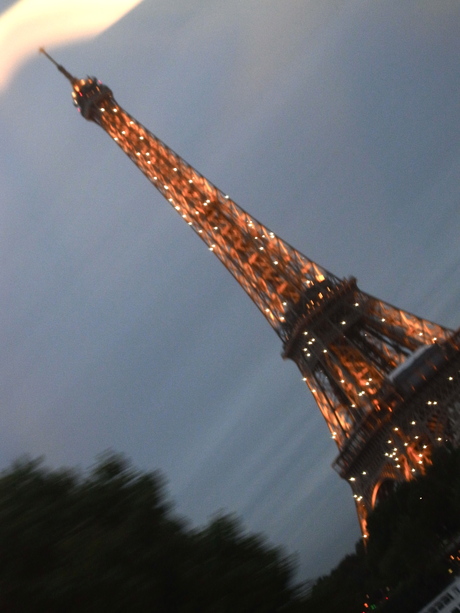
(386, 381)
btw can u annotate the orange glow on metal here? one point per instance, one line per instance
(347, 344)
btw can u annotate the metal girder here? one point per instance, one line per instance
(386, 399)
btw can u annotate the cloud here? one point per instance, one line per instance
(30, 24)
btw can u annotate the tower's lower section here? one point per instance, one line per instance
(396, 447)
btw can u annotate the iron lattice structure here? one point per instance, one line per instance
(386, 381)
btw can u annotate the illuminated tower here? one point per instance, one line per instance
(386, 382)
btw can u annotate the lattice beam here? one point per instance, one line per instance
(386, 381)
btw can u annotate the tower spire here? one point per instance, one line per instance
(61, 68)
(386, 381)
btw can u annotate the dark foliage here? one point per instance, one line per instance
(109, 542)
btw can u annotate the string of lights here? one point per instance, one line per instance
(385, 380)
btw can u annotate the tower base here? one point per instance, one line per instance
(387, 450)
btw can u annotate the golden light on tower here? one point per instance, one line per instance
(386, 381)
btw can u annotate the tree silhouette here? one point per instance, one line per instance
(108, 541)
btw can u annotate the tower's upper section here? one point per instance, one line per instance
(274, 274)
(87, 93)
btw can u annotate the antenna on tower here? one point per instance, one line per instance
(61, 68)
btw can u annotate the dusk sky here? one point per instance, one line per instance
(336, 124)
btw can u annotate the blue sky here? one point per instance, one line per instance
(334, 124)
